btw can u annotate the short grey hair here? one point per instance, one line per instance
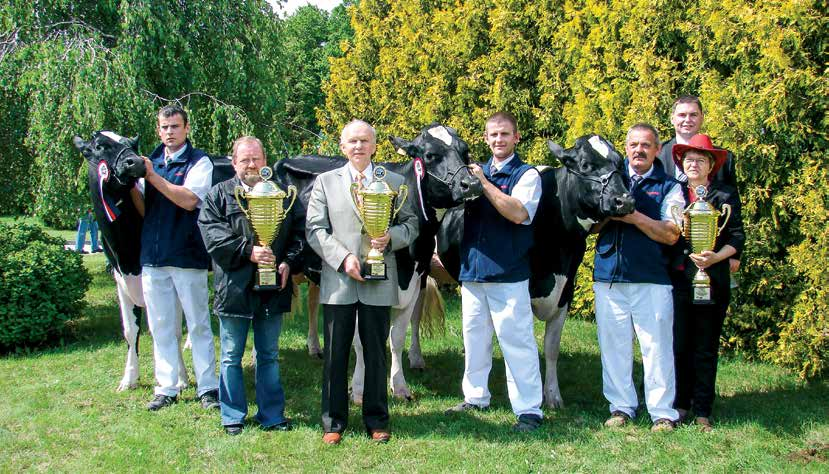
(248, 139)
(358, 122)
(641, 126)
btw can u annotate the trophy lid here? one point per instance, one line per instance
(378, 185)
(701, 191)
(266, 187)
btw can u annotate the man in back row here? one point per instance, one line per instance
(174, 261)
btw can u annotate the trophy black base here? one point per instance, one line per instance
(266, 281)
(374, 271)
(701, 295)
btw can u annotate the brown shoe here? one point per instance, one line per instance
(662, 425)
(380, 436)
(704, 424)
(617, 419)
(332, 438)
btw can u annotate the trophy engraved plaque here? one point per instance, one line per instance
(374, 204)
(698, 223)
(265, 213)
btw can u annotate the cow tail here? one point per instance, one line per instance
(433, 314)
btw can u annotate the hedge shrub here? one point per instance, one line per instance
(41, 286)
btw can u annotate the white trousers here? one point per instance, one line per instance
(647, 310)
(163, 286)
(502, 308)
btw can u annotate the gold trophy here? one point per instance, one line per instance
(374, 203)
(265, 214)
(699, 226)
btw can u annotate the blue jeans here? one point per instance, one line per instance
(83, 225)
(270, 397)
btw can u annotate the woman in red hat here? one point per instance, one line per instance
(697, 327)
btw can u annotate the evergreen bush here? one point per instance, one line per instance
(42, 286)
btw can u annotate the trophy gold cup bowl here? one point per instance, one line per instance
(265, 213)
(375, 203)
(698, 223)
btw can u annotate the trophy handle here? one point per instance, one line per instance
(291, 194)
(403, 193)
(726, 211)
(677, 215)
(239, 194)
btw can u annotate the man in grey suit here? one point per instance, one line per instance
(334, 231)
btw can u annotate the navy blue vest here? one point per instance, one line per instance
(623, 252)
(171, 235)
(494, 249)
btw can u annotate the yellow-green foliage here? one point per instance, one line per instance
(568, 68)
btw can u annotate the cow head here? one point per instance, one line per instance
(446, 179)
(599, 169)
(115, 159)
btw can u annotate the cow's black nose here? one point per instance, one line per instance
(464, 185)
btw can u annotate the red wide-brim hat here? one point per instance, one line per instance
(701, 142)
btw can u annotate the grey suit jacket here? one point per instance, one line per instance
(334, 230)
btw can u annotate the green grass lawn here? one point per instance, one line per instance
(61, 413)
(67, 235)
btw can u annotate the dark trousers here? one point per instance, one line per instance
(697, 331)
(373, 327)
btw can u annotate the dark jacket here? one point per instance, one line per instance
(493, 248)
(229, 238)
(170, 236)
(624, 253)
(682, 268)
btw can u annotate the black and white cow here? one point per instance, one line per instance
(114, 166)
(587, 189)
(438, 179)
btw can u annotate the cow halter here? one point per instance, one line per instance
(604, 180)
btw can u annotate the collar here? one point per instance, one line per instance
(497, 166)
(366, 172)
(631, 172)
(168, 157)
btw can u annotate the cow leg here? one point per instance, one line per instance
(183, 381)
(400, 318)
(552, 345)
(130, 318)
(358, 379)
(313, 340)
(416, 360)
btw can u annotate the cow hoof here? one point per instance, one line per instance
(554, 402)
(417, 363)
(314, 351)
(183, 384)
(126, 385)
(357, 400)
(404, 395)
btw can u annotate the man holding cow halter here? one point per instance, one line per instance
(495, 273)
(174, 261)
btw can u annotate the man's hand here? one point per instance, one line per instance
(733, 265)
(284, 272)
(263, 255)
(477, 172)
(380, 243)
(149, 166)
(705, 259)
(352, 267)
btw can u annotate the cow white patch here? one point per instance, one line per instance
(441, 134)
(112, 135)
(586, 224)
(598, 145)
(401, 151)
(543, 168)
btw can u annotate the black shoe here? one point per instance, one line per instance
(234, 430)
(527, 423)
(284, 426)
(464, 407)
(210, 400)
(82, 251)
(97, 250)
(160, 401)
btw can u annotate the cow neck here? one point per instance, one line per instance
(569, 201)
